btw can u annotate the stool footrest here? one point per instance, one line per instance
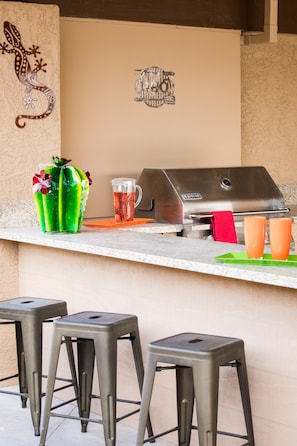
(123, 417)
(91, 420)
(152, 438)
(62, 404)
(76, 417)
(228, 434)
(118, 400)
(26, 394)
(63, 387)
(9, 377)
(174, 429)
(10, 392)
(231, 434)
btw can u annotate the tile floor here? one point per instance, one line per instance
(16, 429)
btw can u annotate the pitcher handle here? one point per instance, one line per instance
(138, 188)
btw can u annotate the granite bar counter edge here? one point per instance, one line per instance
(153, 248)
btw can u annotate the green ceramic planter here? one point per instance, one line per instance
(60, 193)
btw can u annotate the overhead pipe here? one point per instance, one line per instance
(270, 26)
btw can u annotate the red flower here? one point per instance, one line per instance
(89, 177)
(41, 182)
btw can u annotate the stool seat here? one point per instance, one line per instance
(45, 308)
(93, 321)
(96, 335)
(28, 315)
(197, 358)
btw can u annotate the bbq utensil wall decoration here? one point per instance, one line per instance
(154, 87)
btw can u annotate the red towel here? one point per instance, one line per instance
(223, 227)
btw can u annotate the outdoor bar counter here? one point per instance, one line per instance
(174, 284)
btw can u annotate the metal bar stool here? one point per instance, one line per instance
(197, 359)
(28, 315)
(96, 335)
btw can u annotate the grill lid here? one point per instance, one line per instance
(181, 195)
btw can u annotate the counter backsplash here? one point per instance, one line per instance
(289, 192)
(17, 213)
(22, 213)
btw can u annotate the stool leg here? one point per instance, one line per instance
(32, 339)
(206, 385)
(106, 359)
(53, 365)
(21, 363)
(148, 382)
(185, 404)
(245, 397)
(71, 362)
(137, 353)
(85, 357)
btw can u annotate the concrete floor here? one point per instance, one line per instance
(16, 428)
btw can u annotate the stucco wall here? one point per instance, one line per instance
(269, 107)
(22, 149)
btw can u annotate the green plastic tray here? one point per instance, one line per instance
(241, 258)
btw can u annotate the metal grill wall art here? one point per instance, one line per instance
(154, 87)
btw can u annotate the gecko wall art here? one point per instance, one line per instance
(25, 74)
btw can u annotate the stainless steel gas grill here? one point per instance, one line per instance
(189, 196)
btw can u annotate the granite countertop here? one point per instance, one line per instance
(155, 249)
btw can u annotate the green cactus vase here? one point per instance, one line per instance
(60, 193)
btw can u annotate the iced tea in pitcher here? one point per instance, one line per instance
(123, 206)
(124, 190)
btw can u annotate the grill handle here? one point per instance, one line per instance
(236, 214)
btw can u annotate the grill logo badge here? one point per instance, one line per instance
(192, 196)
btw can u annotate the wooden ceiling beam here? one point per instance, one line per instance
(229, 14)
(245, 15)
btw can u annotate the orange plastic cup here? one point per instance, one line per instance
(280, 237)
(254, 236)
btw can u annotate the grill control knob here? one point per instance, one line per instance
(225, 183)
